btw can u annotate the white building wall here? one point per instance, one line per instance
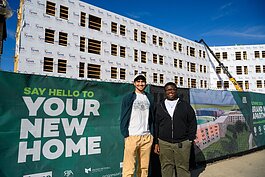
(251, 62)
(33, 48)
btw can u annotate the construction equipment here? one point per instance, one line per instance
(5, 9)
(5, 12)
(231, 78)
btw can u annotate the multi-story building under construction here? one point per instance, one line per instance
(73, 39)
(245, 62)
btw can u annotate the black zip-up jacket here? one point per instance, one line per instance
(182, 126)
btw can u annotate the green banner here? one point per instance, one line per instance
(252, 105)
(51, 126)
(59, 127)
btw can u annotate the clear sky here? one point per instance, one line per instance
(218, 22)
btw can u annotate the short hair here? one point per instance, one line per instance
(170, 83)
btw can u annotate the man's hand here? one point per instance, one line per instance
(157, 149)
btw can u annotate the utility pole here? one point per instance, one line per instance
(5, 13)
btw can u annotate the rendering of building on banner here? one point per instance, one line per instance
(74, 39)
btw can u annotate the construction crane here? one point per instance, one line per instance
(231, 78)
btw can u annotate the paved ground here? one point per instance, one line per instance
(250, 165)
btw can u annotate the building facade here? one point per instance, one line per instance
(246, 63)
(73, 39)
(207, 134)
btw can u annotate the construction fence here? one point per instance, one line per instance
(53, 126)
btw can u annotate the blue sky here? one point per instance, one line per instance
(218, 22)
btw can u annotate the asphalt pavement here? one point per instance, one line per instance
(249, 165)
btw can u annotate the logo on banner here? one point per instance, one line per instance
(44, 174)
(244, 100)
(68, 173)
(87, 170)
(96, 170)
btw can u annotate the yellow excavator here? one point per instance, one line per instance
(231, 78)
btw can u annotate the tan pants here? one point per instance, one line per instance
(137, 147)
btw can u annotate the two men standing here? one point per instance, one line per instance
(175, 129)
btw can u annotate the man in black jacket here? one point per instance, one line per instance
(175, 130)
